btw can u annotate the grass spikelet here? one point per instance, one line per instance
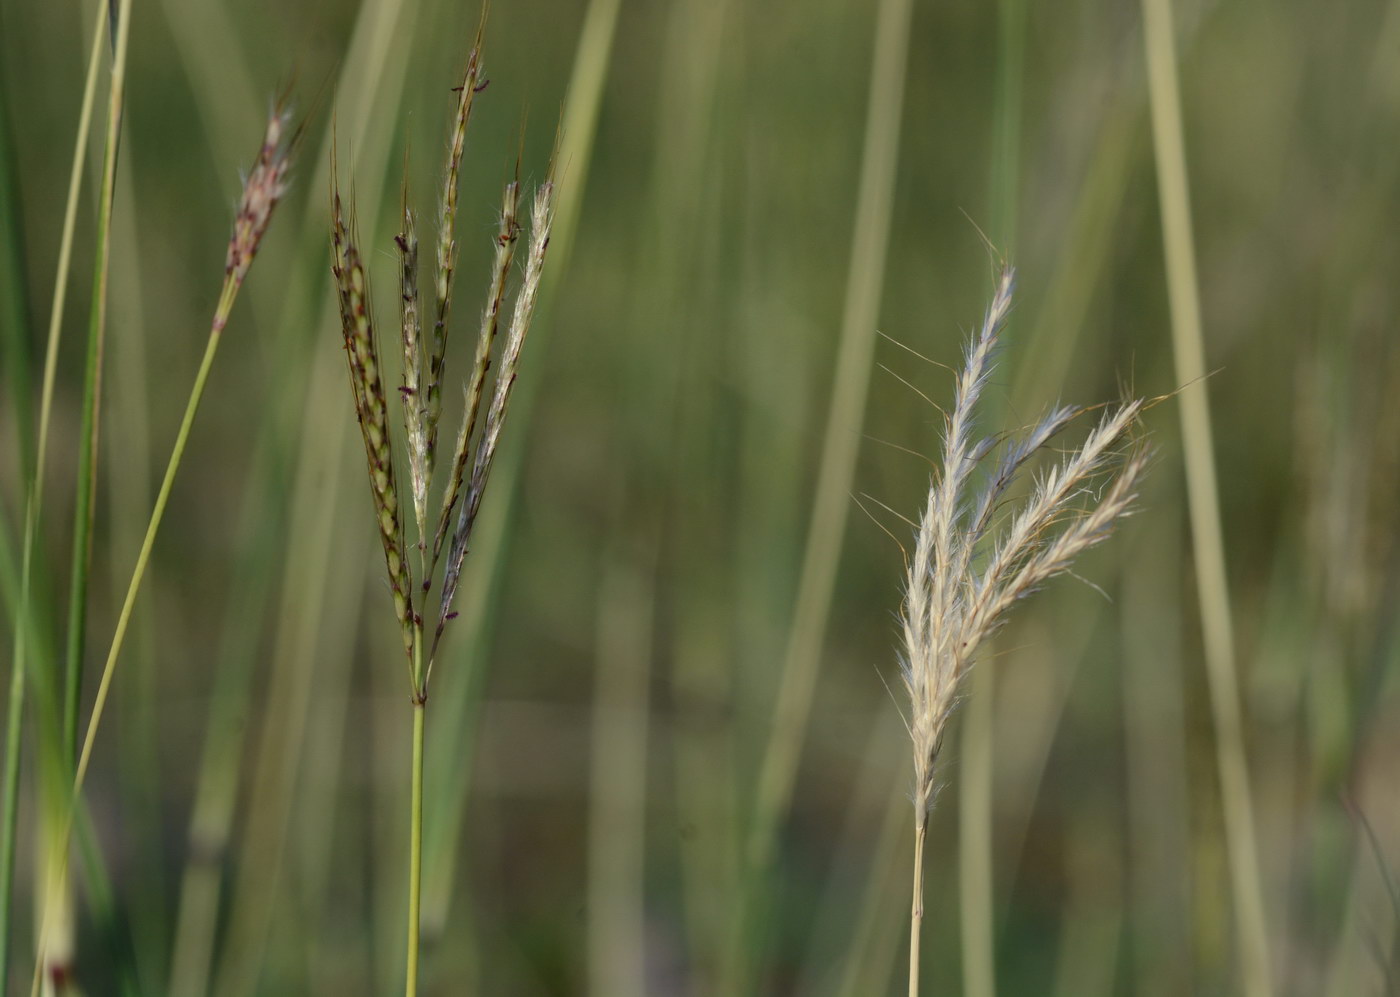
(541, 218)
(470, 86)
(952, 603)
(506, 236)
(263, 188)
(410, 327)
(372, 412)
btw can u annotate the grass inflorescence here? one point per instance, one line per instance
(420, 395)
(974, 557)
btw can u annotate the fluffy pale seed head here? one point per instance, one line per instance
(951, 607)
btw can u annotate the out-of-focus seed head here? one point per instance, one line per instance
(263, 188)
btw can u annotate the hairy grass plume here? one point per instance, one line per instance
(974, 558)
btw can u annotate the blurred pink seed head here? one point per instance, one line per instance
(262, 189)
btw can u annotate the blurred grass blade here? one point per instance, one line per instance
(845, 416)
(56, 941)
(33, 504)
(976, 781)
(617, 937)
(1203, 497)
(14, 303)
(1155, 752)
(118, 18)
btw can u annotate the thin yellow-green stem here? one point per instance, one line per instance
(618, 737)
(916, 911)
(138, 573)
(975, 801)
(1203, 497)
(86, 488)
(34, 500)
(415, 850)
(976, 877)
(57, 903)
(65, 245)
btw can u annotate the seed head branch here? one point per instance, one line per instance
(506, 236)
(447, 245)
(541, 218)
(371, 409)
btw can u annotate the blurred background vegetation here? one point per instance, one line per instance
(601, 718)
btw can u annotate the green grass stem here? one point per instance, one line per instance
(976, 780)
(9, 817)
(1203, 499)
(415, 842)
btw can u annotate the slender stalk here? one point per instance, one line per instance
(415, 848)
(916, 911)
(57, 902)
(977, 794)
(55, 952)
(13, 737)
(86, 488)
(9, 818)
(14, 302)
(262, 190)
(976, 801)
(415, 818)
(1208, 543)
(157, 514)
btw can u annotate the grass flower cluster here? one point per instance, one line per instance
(974, 558)
(420, 393)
